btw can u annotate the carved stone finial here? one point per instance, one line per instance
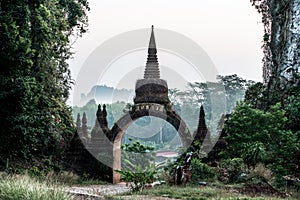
(99, 112)
(84, 126)
(104, 111)
(202, 133)
(84, 119)
(202, 113)
(152, 68)
(78, 121)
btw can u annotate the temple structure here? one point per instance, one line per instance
(151, 99)
(151, 89)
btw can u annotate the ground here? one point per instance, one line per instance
(240, 191)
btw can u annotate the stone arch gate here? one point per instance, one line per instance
(151, 100)
(138, 111)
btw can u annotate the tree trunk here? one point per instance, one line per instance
(285, 43)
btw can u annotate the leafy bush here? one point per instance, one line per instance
(136, 154)
(292, 107)
(137, 165)
(235, 167)
(35, 172)
(258, 136)
(139, 178)
(255, 152)
(201, 171)
(25, 188)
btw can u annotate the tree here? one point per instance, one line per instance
(215, 95)
(35, 42)
(259, 136)
(292, 106)
(254, 95)
(281, 69)
(235, 88)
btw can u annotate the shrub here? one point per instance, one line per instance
(136, 154)
(235, 167)
(139, 178)
(137, 165)
(201, 171)
(260, 136)
(35, 172)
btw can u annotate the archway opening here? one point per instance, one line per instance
(153, 132)
(166, 146)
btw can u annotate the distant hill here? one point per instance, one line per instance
(106, 94)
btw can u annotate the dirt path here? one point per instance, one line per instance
(93, 192)
(96, 192)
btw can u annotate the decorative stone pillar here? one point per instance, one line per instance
(104, 115)
(78, 124)
(84, 127)
(202, 133)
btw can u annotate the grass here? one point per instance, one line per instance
(70, 179)
(23, 187)
(190, 193)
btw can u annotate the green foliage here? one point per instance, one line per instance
(201, 171)
(35, 42)
(235, 167)
(292, 107)
(139, 177)
(255, 152)
(137, 147)
(138, 166)
(254, 95)
(197, 149)
(263, 7)
(35, 172)
(136, 154)
(258, 136)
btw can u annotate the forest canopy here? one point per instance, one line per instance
(35, 42)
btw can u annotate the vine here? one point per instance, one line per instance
(263, 7)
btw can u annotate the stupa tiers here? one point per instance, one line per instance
(151, 89)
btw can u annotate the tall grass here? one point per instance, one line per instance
(22, 187)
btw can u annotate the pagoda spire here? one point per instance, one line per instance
(152, 67)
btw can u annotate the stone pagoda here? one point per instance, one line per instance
(151, 89)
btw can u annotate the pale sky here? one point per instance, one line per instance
(229, 31)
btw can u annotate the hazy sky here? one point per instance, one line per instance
(229, 31)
